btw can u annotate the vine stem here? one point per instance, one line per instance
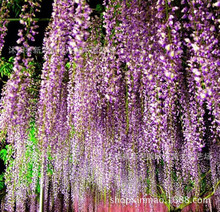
(34, 19)
(41, 204)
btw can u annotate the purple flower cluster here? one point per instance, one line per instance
(134, 114)
(16, 95)
(17, 108)
(4, 13)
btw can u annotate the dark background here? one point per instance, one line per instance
(13, 26)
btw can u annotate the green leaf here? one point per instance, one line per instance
(6, 67)
(11, 59)
(99, 8)
(68, 65)
(2, 181)
(3, 155)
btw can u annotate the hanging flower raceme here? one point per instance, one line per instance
(194, 82)
(17, 109)
(53, 128)
(60, 105)
(204, 74)
(76, 45)
(53, 77)
(4, 14)
(204, 60)
(16, 94)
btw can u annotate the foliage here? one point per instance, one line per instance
(15, 6)
(6, 67)
(5, 156)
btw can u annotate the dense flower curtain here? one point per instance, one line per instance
(128, 104)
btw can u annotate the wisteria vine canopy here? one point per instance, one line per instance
(123, 102)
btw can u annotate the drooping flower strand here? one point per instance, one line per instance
(64, 41)
(204, 52)
(78, 25)
(53, 75)
(128, 44)
(158, 84)
(79, 98)
(204, 60)
(194, 100)
(114, 99)
(58, 173)
(17, 90)
(203, 69)
(17, 110)
(53, 129)
(108, 103)
(101, 111)
(143, 87)
(4, 14)
(171, 58)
